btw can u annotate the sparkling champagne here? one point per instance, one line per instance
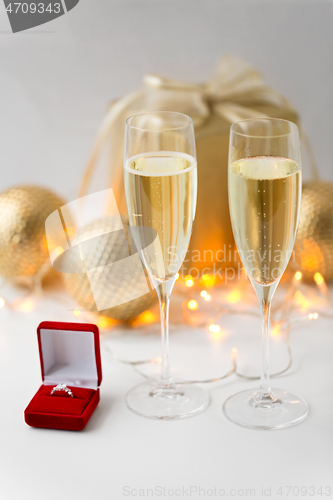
(264, 199)
(161, 193)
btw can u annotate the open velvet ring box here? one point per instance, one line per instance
(69, 354)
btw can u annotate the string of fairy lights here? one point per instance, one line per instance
(202, 307)
(296, 307)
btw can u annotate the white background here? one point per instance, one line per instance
(57, 79)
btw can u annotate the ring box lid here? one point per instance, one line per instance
(70, 354)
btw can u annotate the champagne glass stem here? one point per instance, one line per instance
(265, 294)
(264, 380)
(164, 291)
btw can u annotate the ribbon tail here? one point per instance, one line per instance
(115, 112)
(233, 112)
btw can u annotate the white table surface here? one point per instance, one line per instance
(119, 452)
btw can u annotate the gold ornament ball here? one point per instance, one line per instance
(23, 211)
(112, 282)
(314, 241)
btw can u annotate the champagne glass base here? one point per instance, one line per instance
(282, 410)
(182, 401)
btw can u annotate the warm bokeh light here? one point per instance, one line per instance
(208, 280)
(105, 323)
(203, 293)
(70, 231)
(2, 302)
(275, 331)
(313, 316)
(216, 332)
(26, 306)
(145, 318)
(192, 304)
(234, 296)
(207, 297)
(177, 276)
(302, 300)
(318, 279)
(189, 281)
(298, 276)
(234, 353)
(311, 255)
(58, 250)
(76, 312)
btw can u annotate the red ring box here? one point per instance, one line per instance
(69, 354)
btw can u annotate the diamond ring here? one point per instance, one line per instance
(62, 388)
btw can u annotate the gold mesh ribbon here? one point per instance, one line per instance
(232, 92)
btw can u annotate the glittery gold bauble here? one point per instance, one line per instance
(314, 242)
(23, 211)
(110, 283)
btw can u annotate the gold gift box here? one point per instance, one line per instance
(212, 233)
(235, 91)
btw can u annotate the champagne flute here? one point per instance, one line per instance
(160, 174)
(264, 199)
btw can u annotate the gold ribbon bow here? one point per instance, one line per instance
(232, 92)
